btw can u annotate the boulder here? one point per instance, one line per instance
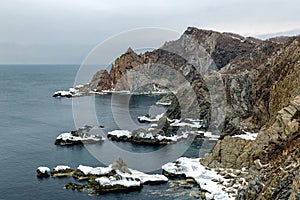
(43, 172)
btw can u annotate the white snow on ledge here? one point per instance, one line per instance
(191, 167)
(61, 167)
(150, 119)
(87, 170)
(247, 136)
(120, 133)
(69, 136)
(191, 123)
(128, 134)
(127, 180)
(72, 92)
(124, 179)
(163, 103)
(149, 177)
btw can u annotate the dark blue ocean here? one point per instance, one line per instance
(31, 119)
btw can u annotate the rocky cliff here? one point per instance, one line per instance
(262, 88)
(273, 159)
(259, 76)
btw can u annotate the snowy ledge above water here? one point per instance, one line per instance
(114, 178)
(81, 90)
(205, 177)
(149, 118)
(72, 92)
(193, 123)
(143, 136)
(80, 136)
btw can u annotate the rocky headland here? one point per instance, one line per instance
(261, 80)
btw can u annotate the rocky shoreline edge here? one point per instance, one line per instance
(117, 177)
(262, 85)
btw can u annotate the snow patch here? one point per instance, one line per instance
(72, 92)
(211, 136)
(163, 103)
(82, 137)
(128, 134)
(123, 180)
(191, 168)
(247, 136)
(150, 119)
(61, 167)
(94, 170)
(130, 180)
(149, 177)
(188, 122)
(120, 133)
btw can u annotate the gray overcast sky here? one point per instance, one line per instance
(64, 31)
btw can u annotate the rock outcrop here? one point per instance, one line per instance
(99, 180)
(273, 158)
(43, 172)
(80, 136)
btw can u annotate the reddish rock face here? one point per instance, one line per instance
(125, 62)
(259, 76)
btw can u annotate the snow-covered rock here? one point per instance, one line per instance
(149, 119)
(193, 123)
(191, 168)
(72, 92)
(42, 172)
(143, 136)
(114, 178)
(149, 178)
(121, 179)
(80, 136)
(87, 170)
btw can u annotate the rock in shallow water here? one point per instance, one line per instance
(80, 136)
(114, 178)
(43, 172)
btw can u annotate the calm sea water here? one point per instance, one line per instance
(30, 120)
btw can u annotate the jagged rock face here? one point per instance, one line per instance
(122, 64)
(277, 147)
(287, 84)
(223, 48)
(101, 81)
(259, 76)
(257, 89)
